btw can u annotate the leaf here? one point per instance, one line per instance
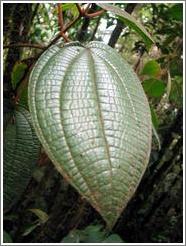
(43, 217)
(88, 106)
(113, 238)
(23, 100)
(6, 237)
(154, 87)
(169, 84)
(130, 21)
(21, 150)
(151, 68)
(92, 234)
(17, 73)
(72, 7)
(176, 93)
(72, 237)
(176, 12)
(30, 229)
(156, 136)
(154, 116)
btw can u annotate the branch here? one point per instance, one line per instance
(60, 17)
(37, 46)
(98, 13)
(61, 24)
(81, 11)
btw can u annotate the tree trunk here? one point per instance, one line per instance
(119, 26)
(21, 16)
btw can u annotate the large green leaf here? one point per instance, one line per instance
(130, 21)
(21, 149)
(93, 119)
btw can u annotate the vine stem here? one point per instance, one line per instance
(60, 22)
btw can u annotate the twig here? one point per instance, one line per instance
(61, 24)
(95, 14)
(58, 36)
(87, 8)
(37, 46)
(60, 17)
(81, 11)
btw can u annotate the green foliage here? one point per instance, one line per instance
(21, 150)
(130, 21)
(151, 68)
(70, 7)
(6, 237)
(43, 217)
(154, 116)
(17, 73)
(176, 94)
(23, 100)
(154, 87)
(30, 228)
(91, 234)
(176, 12)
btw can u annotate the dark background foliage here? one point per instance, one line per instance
(50, 210)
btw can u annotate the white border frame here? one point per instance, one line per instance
(184, 41)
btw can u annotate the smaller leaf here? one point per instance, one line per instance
(156, 136)
(23, 100)
(93, 234)
(30, 228)
(71, 7)
(151, 68)
(17, 73)
(114, 238)
(43, 217)
(154, 117)
(6, 237)
(72, 237)
(176, 94)
(130, 21)
(176, 12)
(169, 84)
(154, 87)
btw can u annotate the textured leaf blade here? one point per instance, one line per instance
(93, 119)
(21, 150)
(130, 21)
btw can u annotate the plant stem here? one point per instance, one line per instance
(61, 23)
(98, 13)
(60, 17)
(81, 11)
